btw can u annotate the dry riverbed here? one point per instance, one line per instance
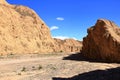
(46, 67)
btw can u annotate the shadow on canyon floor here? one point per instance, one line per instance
(80, 57)
(108, 74)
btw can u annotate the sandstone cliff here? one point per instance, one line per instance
(3, 2)
(102, 42)
(67, 45)
(22, 31)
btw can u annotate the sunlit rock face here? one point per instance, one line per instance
(68, 45)
(102, 42)
(22, 31)
(3, 2)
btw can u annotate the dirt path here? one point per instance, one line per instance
(46, 67)
(15, 61)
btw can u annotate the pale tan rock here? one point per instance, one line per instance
(102, 42)
(3, 2)
(22, 31)
(67, 45)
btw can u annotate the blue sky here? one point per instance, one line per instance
(71, 18)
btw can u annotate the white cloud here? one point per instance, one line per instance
(54, 28)
(63, 37)
(60, 18)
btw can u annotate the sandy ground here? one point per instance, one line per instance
(46, 67)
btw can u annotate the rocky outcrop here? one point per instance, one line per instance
(102, 42)
(67, 45)
(22, 31)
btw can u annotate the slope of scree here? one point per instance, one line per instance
(102, 42)
(22, 31)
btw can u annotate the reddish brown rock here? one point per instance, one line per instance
(102, 42)
(67, 45)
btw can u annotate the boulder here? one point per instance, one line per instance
(102, 42)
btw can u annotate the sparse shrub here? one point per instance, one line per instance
(11, 54)
(33, 68)
(19, 74)
(61, 51)
(23, 69)
(39, 67)
(53, 68)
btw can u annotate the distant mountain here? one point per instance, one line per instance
(68, 45)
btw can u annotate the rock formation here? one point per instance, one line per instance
(22, 31)
(102, 42)
(3, 2)
(67, 45)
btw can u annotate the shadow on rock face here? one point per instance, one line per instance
(108, 74)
